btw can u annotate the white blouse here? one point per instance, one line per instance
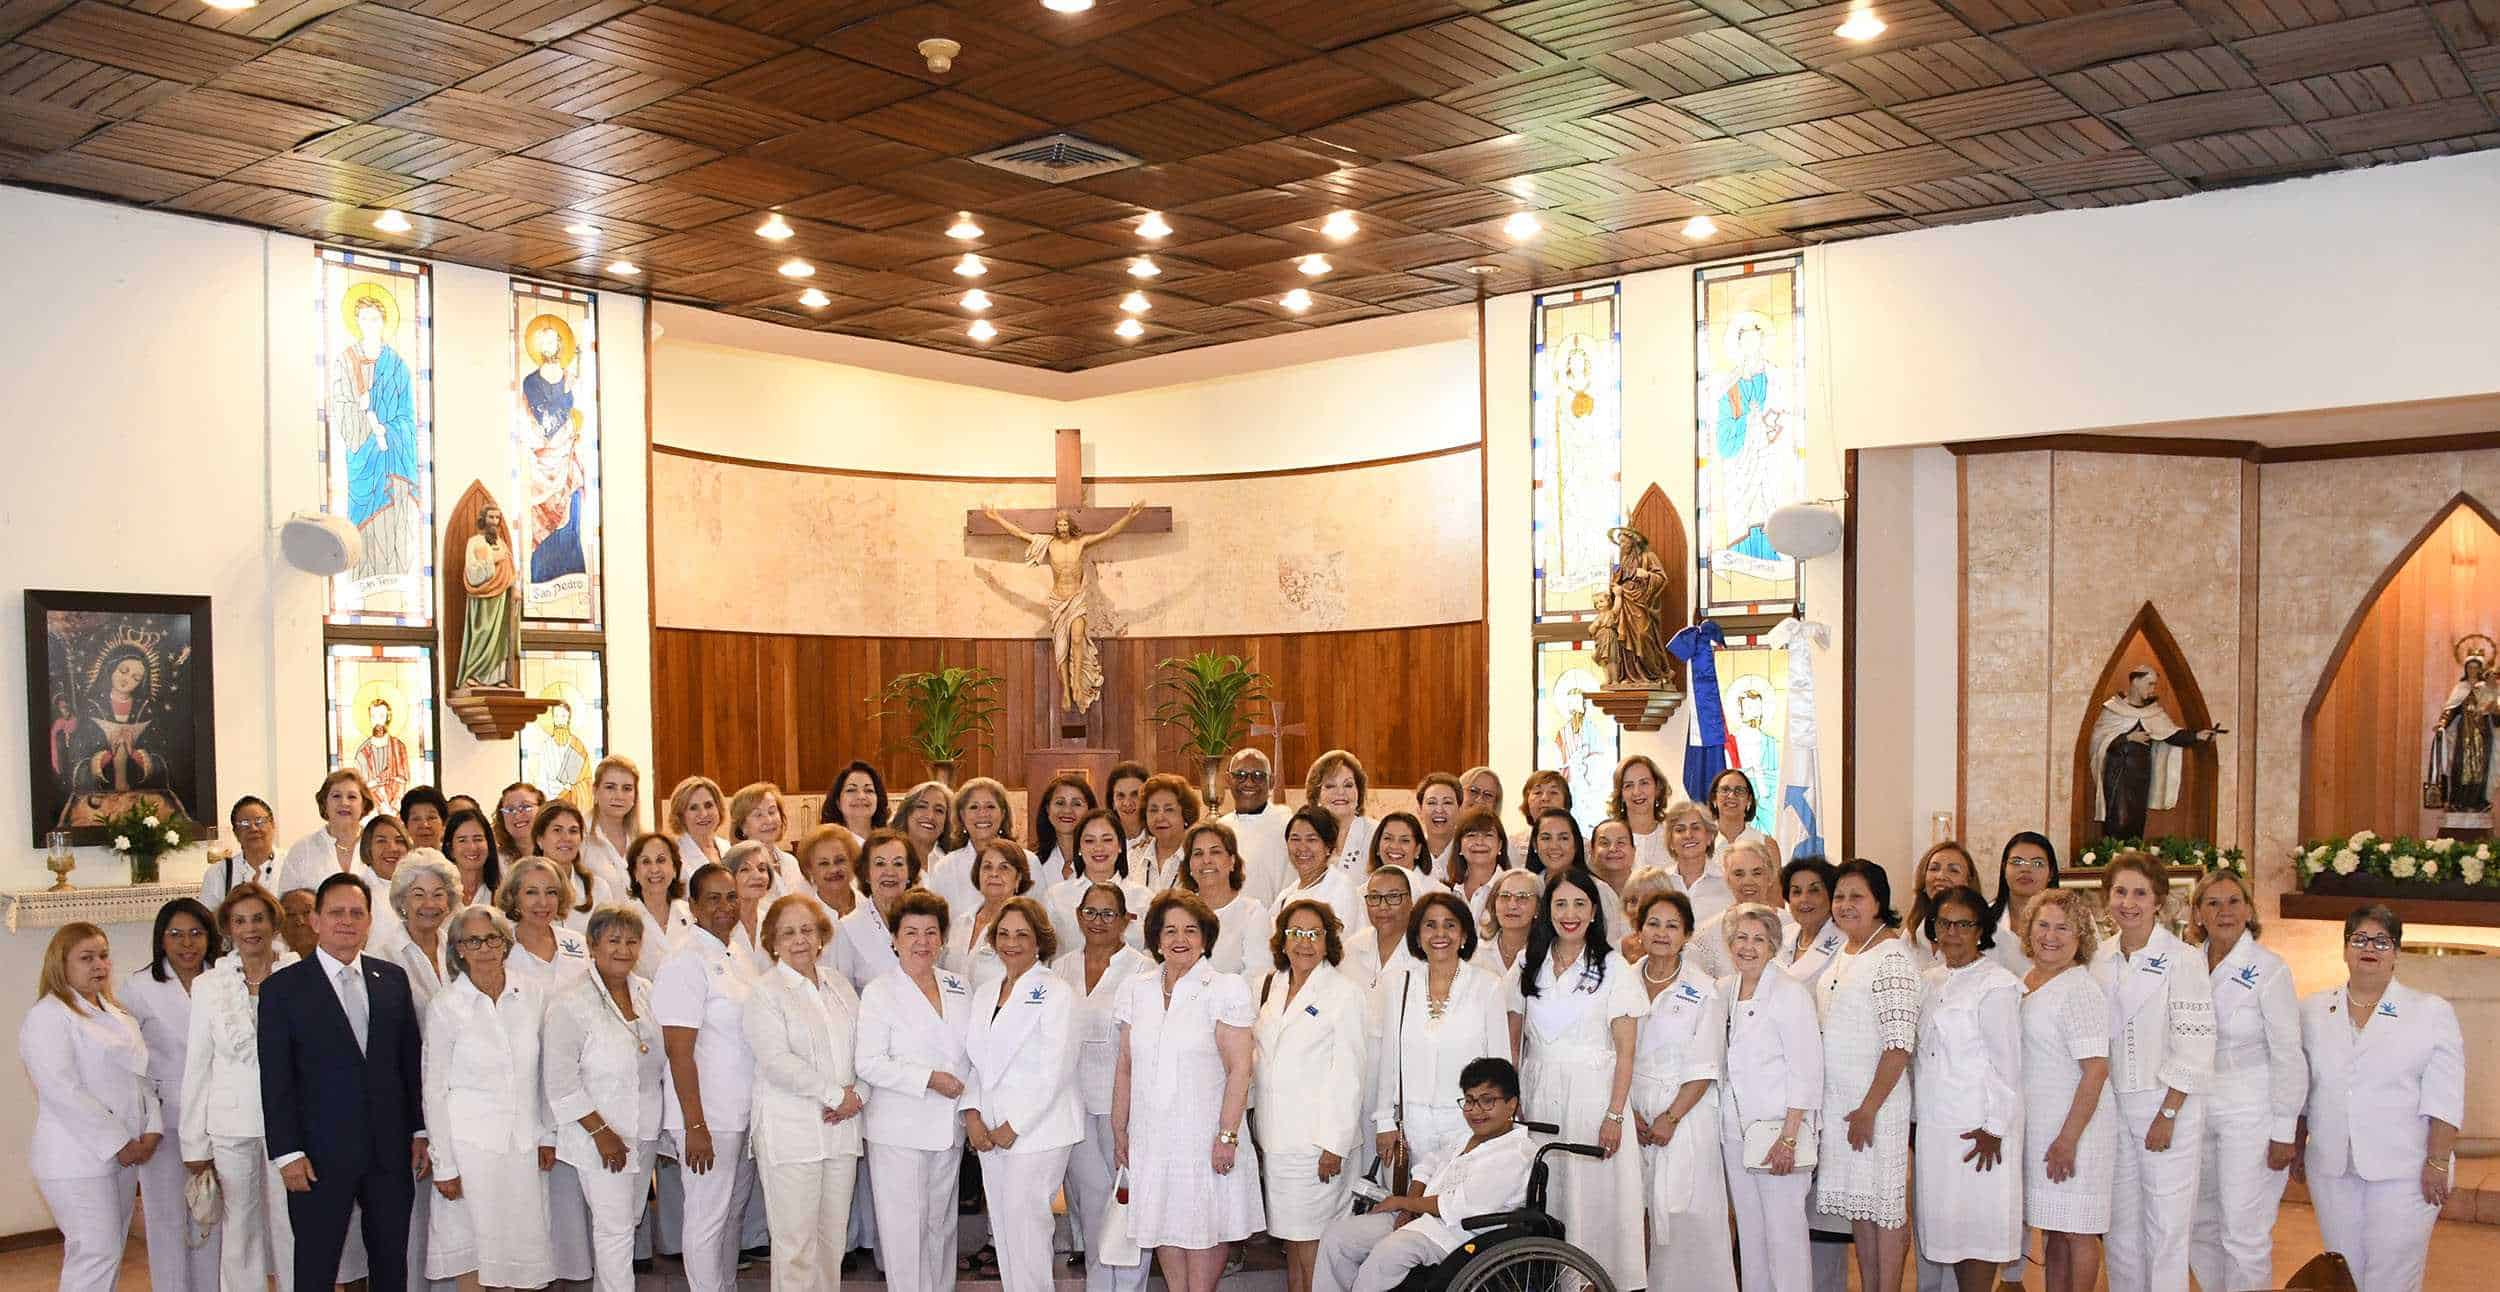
(1422, 1054)
(550, 976)
(1097, 1033)
(483, 1087)
(1969, 1067)
(2257, 1047)
(597, 1062)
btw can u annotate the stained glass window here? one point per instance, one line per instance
(1753, 701)
(1576, 398)
(555, 418)
(381, 714)
(562, 746)
(1572, 735)
(376, 399)
(1751, 428)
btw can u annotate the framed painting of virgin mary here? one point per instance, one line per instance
(120, 706)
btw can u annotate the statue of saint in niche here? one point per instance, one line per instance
(2459, 781)
(2136, 749)
(1632, 613)
(490, 637)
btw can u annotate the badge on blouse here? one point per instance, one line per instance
(951, 985)
(2247, 977)
(2387, 1009)
(2156, 964)
(1687, 992)
(1312, 1010)
(1036, 996)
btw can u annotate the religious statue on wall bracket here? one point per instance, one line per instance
(481, 589)
(1638, 610)
(2136, 756)
(1074, 657)
(2459, 783)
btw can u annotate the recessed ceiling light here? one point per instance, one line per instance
(976, 300)
(774, 228)
(1136, 303)
(1067, 6)
(963, 229)
(970, 266)
(392, 222)
(230, 6)
(1862, 24)
(582, 229)
(1314, 265)
(814, 299)
(1131, 329)
(1700, 227)
(1339, 225)
(1483, 271)
(797, 269)
(1296, 300)
(1152, 226)
(1521, 227)
(1522, 186)
(981, 330)
(624, 268)
(1143, 267)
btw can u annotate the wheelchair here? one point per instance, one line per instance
(1521, 1250)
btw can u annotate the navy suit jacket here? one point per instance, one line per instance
(349, 1112)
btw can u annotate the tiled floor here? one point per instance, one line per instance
(2462, 1258)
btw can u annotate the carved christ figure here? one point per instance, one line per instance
(1072, 651)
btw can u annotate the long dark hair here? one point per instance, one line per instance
(490, 876)
(1579, 842)
(1121, 771)
(165, 914)
(832, 811)
(1119, 862)
(2036, 840)
(1541, 935)
(1046, 840)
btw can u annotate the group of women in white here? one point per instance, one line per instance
(714, 1037)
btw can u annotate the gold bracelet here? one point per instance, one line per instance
(2436, 1164)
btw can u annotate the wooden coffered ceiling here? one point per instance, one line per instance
(502, 127)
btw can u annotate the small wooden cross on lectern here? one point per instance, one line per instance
(1060, 537)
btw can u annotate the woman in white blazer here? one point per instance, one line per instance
(1215, 871)
(1337, 785)
(601, 1062)
(1676, 1067)
(1428, 1021)
(800, 1022)
(1102, 856)
(2386, 1095)
(343, 801)
(1094, 972)
(1313, 1038)
(1021, 1112)
(656, 894)
(96, 1116)
(1773, 1091)
(545, 952)
(2161, 1056)
(221, 1113)
(2252, 1109)
(913, 1020)
(159, 996)
(486, 1116)
(889, 866)
(696, 809)
(425, 890)
(1311, 852)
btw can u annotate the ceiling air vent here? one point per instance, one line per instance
(1057, 159)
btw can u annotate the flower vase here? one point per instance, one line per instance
(143, 868)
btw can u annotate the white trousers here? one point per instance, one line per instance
(916, 1215)
(174, 1265)
(1692, 1250)
(2152, 1205)
(809, 1207)
(661, 1232)
(2382, 1227)
(1089, 1194)
(568, 1223)
(257, 1241)
(1771, 1241)
(2231, 1246)
(1019, 1187)
(93, 1212)
(614, 1200)
(715, 1202)
(1369, 1253)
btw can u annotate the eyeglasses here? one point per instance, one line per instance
(1305, 935)
(1384, 899)
(1252, 774)
(2370, 942)
(2028, 863)
(253, 823)
(481, 941)
(1482, 1103)
(1097, 913)
(1956, 926)
(1514, 897)
(517, 809)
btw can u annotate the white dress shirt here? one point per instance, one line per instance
(1265, 871)
(702, 986)
(596, 1062)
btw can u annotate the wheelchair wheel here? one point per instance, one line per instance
(1532, 1265)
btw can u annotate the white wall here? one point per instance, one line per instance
(161, 375)
(746, 402)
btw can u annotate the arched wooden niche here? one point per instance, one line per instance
(2147, 642)
(2366, 733)
(1654, 516)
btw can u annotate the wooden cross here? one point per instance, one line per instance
(1277, 726)
(1069, 497)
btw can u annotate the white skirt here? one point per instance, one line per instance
(1177, 1200)
(497, 1228)
(1299, 1204)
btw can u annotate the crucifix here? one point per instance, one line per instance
(1277, 726)
(1059, 536)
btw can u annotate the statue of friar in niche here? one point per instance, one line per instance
(1072, 651)
(1631, 630)
(2136, 749)
(2460, 775)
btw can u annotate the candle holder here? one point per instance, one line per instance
(59, 860)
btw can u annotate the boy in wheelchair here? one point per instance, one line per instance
(1376, 1251)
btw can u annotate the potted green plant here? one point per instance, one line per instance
(1210, 698)
(947, 713)
(143, 832)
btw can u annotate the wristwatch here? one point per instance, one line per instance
(1615, 1118)
(1228, 1137)
(2169, 1114)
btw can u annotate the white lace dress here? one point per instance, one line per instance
(1176, 1094)
(2065, 1021)
(1870, 1005)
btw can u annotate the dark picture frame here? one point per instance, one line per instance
(120, 707)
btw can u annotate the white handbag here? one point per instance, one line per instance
(1112, 1244)
(206, 1201)
(1761, 1136)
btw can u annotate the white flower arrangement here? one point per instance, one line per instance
(2403, 867)
(150, 822)
(2401, 859)
(2347, 862)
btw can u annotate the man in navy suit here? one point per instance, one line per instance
(339, 1089)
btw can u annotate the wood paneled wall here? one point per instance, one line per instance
(2370, 721)
(791, 709)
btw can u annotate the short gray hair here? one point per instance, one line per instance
(745, 848)
(612, 915)
(461, 919)
(1762, 915)
(419, 864)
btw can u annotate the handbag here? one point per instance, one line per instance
(1761, 1136)
(1112, 1244)
(206, 1202)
